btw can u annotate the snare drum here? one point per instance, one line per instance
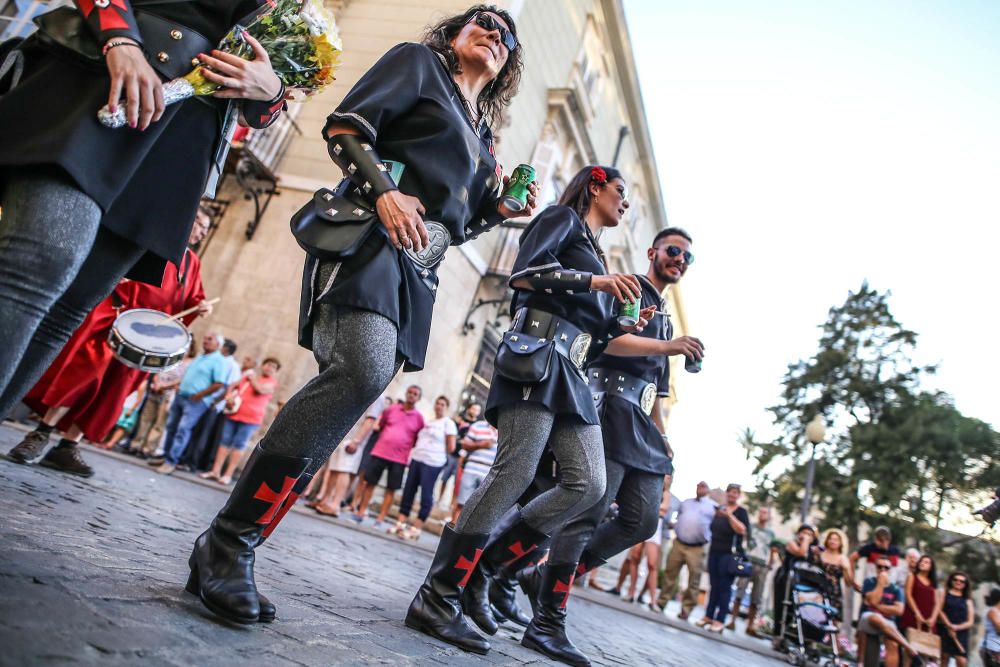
(149, 340)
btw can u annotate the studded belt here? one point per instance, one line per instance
(570, 340)
(610, 382)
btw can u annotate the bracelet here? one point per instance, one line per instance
(112, 43)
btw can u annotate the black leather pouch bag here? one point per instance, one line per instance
(524, 358)
(334, 224)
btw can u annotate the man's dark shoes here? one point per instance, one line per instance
(268, 611)
(223, 556)
(436, 609)
(503, 595)
(547, 631)
(68, 460)
(29, 449)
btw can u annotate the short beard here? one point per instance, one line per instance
(665, 277)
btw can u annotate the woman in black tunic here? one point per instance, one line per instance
(83, 204)
(369, 314)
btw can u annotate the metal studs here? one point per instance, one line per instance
(337, 149)
(195, 62)
(596, 374)
(425, 273)
(352, 168)
(514, 338)
(535, 324)
(565, 337)
(557, 275)
(176, 34)
(366, 147)
(328, 196)
(367, 187)
(163, 56)
(621, 378)
(358, 212)
(331, 212)
(524, 347)
(620, 389)
(381, 167)
(548, 290)
(541, 340)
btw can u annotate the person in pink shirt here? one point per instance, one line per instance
(398, 429)
(245, 407)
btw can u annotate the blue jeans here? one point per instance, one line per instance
(183, 417)
(721, 586)
(236, 435)
(424, 476)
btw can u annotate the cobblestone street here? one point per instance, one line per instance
(92, 572)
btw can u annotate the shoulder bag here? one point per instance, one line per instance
(737, 563)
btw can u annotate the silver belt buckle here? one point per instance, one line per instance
(648, 398)
(438, 240)
(578, 350)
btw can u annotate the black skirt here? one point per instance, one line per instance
(631, 438)
(564, 393)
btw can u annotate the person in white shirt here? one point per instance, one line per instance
(435, 441)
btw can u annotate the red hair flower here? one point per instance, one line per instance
(598, 175)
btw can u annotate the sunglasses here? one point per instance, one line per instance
(883, 568)
(488, 23)
(675, 251)
(961, 581)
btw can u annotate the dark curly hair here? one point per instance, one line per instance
(497, 95)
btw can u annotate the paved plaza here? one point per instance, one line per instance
(92, 572)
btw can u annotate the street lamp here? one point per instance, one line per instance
(815, 432)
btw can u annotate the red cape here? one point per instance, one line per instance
(86, 377)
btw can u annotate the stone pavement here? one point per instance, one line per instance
(92, 572)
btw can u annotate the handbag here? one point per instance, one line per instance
(524, 358)
(925, 642)
(737, 563)
(334, 224)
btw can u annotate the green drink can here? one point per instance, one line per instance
(692, 365)
(515, 195)
(628, 316)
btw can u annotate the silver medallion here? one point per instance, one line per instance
(648, 398)
(438, 240)
(578, 350)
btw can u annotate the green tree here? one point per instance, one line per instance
(893, 454)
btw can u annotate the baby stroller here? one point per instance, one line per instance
(808, 620)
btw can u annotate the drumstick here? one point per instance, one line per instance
(194, 308)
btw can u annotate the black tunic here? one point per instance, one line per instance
(630, 436)
(556, 239)
(148, 184)
(408, 107)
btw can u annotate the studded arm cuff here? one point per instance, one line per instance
(361, 163)
(560, 281)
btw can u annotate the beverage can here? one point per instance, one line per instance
(628, 316)
(692, 365)
(515, 195)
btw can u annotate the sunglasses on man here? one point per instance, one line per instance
(882, 568)
(488, 23)
(675, 251)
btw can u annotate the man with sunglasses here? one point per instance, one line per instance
(881, 604)
(628, 392)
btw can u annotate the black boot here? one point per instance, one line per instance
(437, 609)
(268, 611)
(222, 560)
(503, 587)
(547, 631)
(511, 540)
(530, 581)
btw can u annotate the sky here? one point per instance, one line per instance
(807, 147)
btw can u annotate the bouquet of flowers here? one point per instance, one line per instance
(301, 40)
